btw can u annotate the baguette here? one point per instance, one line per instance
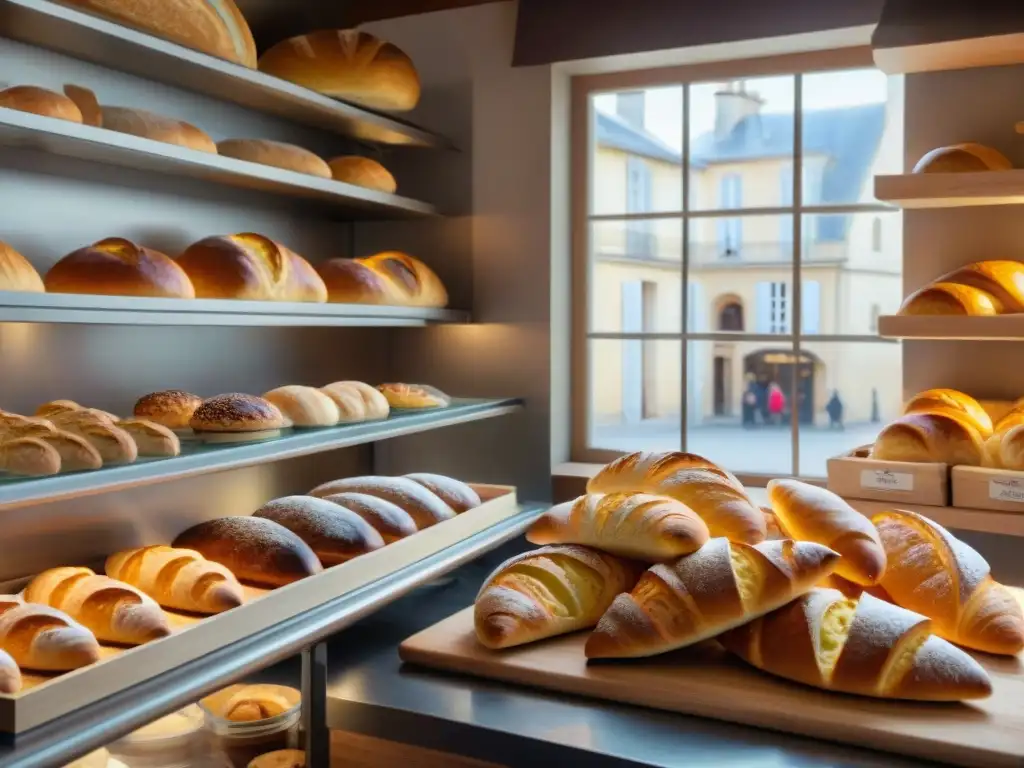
(935, 574)
(10, 675)
(863, 646)
(389, 520)
(115, 612)
(549, 591)
(423, 506)
(717, 588)
(710, 491)
(41, 638)
(454, 493)
(335, 534)
(181, 579)
(637, 525)
(810, 513)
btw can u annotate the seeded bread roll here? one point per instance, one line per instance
(454, 493)
(29, 456)
(335, 534)
(150, 438)
(422, 505)
(236, 412)
(304, 406)
(390, 520)
(172, 408)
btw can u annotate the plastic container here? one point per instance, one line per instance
(244, 741)
(175, 741)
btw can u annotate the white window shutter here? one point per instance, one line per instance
(697, 320)
(810, 306)
(763, 307)
(632, 306)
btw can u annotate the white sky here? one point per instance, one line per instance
(664, 106)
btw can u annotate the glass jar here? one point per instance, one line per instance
(242, 741)
(175, 741)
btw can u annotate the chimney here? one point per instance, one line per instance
(732, 104)
(630, 107)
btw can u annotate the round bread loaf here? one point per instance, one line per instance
(304, 406)
(236, 412)
(149, 125)
(452, 492)
(275, 153)
(172, 408)
(347, 64)
(363, 172)
(425, 508)
(118, 267)
(390, 520)
(334, 533)
(39, 101)
(413, 396)
(375, 405)
(16, 273)
(961, 158)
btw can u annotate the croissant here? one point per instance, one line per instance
(720, 586)
(549, 591)
(935, 574)
(42, 638)
(115, 612)
(177, 578)
(929, 437)
(637, 525)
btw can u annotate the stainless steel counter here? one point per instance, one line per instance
(370, 691)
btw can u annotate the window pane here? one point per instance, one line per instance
(738, 403)
(636, 276)
(635, 395)
(637, 144)
(741, 274)
(741, 143)
(852, 130)
(852, 271)
(855, 389)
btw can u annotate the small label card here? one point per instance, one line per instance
(883, 480)
(1006, 490)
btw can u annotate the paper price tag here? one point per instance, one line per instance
(883, 480)
(1006, 490)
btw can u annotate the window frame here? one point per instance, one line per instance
(581, 154)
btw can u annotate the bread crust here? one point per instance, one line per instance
(930, 437)
(17, 273)
(119, 267)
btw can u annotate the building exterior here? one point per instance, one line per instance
(741, 269)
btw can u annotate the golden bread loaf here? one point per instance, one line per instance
(932, 572)
(358, 401)
(547, 592)
(43, 639)
(215, 27)
(960, 158)
(10, 675)
(390, 277)
(275, 153)
(363, 172)
(39, 101)
(180, 579)
(930, 437)
(237, 412)
(635, 525)
(85, 100)
(335, 534)
(13, 426)
(953, 403)
(1005, 450)
(863, 646)
(719, 587)
(149, 125)
(809, 513)
(251, 267)
(76, 453)
(151, 439)
(347, 64)
(710, 491)
(417, 282)
(114, 444)
(16, 273)
(56, 407)
(950, 299)
(388, 519)
(304, 406)
(1012, 418)
(282, 758)
(455, 493)
(29, 456)
(172, 408)
(114, 611)
(414, 396)
(423, 505)
(119, 267)
(1001, 279)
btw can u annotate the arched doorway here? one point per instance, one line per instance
(728, 317)
(781, 367)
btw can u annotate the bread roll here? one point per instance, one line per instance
(863, 646)
(960, 158)
(114, 445)
(810, 513)
(16, 273)
(10, 675)
(215, 27)
(424, 506)
(950, 299)
(547, 592)
(282, 758)
(251, 267)
(1005, 450)
(304, 406)
(149, 125)
(929, 437)
(29, 456)
(418, 284)
(177, 578)
(118, 267)
(172, 408)
(85, 100)
(347, 64)
(57, 407)
(255, 550)
(953, 403)
(981, 288)
(236, 413)
(388, 519)
(636, 525)
(151, 439)
(335, 534)
(275, 153)
(414, 396)
(1012, 418)
(349, 394)
(44, 639)
(363, 172)
(115, 612)
(452, 492)
(83, 416)
(39, 101)
(25, 426)
(349, 281)
(76, 453)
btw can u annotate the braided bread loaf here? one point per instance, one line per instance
(177, 578)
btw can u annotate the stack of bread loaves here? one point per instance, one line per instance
(982, 288)
(712, 573)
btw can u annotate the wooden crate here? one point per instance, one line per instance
(856, 477)
(984, 488)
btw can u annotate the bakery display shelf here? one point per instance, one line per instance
(961, 518)
(951, 190)
(86, 709)
(91, 38)
(87, 309)
(198, 459)
(952, 327)
(24, 130)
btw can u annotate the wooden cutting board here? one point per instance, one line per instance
(707, 682)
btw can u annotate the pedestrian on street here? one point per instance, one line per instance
(834, 408)
(776, 403)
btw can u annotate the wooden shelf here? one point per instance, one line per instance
(952, 328)
(91, 38)
(951, 190)
(84, 142)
